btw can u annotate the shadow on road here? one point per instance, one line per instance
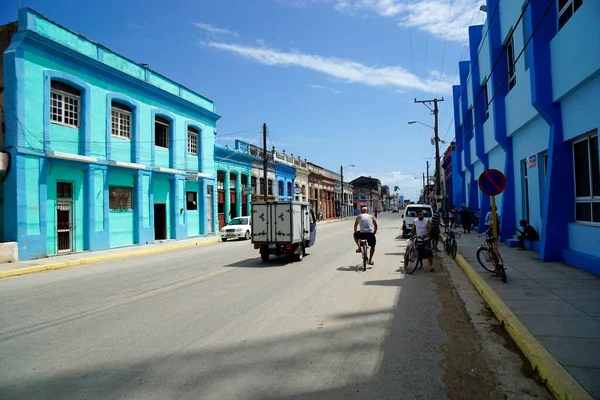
(282, 261)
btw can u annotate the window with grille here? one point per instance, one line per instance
(289, 189)
(261, 187)
(120, 198)
(280, 188)
(270, 188)
(64, 190)
(64, 104)
(587, 179)
(566, 9)
(192, 200)
(510, 55)
(161, 132)
(121, 121)
(192, 141)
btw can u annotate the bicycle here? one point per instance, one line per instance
(414, 255)
(450, 245)
(364, 246)
(489, 257)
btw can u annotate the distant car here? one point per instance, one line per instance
(237, 228)
(395, 210)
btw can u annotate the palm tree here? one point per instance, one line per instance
(396, 188)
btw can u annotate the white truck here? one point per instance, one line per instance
(283, 227)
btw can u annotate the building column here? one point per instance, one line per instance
(227, 198)
(238, 194)
(249, 197)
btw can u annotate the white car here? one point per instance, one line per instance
(237, 228)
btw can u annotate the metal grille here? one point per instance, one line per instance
(64, 108)
(121, 123)
(64, 224)
(120, 198)
(64, 190)
(209, 209)
(192, 141)
(161, 132)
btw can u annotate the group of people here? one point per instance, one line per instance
(365, 227)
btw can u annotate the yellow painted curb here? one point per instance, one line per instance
(560, 382)
(107, 257)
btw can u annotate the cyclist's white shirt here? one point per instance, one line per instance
(421, 226)
(365, 224)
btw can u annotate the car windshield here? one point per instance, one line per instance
(239, 221)
(413, 211)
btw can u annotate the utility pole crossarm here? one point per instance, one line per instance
(435, 111)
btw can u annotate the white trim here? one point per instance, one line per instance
(63, 110)
(203, 175)
(168, 170)
(124, 164)
(72, 157)
(120, 114)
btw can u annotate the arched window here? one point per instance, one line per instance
(120, 120)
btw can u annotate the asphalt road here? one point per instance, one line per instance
(216, 323)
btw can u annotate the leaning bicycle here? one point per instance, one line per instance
(450, 245)
(489, 257)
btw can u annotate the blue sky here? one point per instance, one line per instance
(334, 80)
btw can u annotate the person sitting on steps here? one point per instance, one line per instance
(528, 233)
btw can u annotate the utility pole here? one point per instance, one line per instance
(265, 164)
(427, 181)
(435, 111)
(342, 191)
(424, 194)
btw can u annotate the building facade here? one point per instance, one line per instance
(99, 146)
(366, 192)
(285, 174)
(234, 177)
(532, 115)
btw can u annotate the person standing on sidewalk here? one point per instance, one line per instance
(422, 228)
(436, 222)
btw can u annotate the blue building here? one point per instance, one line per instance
(234, 170)
(527, 105)
(285, 174)
(103, 152)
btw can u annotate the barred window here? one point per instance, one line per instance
(120, 198)
(64, 190)
(587, 179)
(64, 104)
(121, 121)
(192, 141)
(161, 132)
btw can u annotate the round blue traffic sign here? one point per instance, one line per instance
(492, 182)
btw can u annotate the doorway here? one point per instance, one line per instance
(160, 221)
(64, 217)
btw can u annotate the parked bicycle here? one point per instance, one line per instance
(413, 257)
(489, 257)
(450, 242)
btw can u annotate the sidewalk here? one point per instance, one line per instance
(86, 257)
(557, 308)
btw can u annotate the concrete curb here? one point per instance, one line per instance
(107, 257)
(560, 382)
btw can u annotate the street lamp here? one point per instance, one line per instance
(342, 207)
(434, 141)
(419, 122)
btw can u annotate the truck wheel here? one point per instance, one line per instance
(264, 255)
(223, 239)
(300, 255)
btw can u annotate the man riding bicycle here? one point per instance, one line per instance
(367, 229)
(422, 229)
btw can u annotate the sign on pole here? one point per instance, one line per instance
(492, 182)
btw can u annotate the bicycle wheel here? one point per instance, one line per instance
(412, 262)
(501, 267)
(453, 248)
(364, 252)
(484, 257)
(447, 245)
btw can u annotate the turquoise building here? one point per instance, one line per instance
(234, 167)
(527, 106)
(103, 152)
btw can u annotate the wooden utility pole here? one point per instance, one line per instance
(435, 111)
(265, 164)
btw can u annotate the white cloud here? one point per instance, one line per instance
(346, 70)
(447, 19)
(292, 3)
(326, 88)
(214, 30)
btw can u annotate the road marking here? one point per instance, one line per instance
(332, 235)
